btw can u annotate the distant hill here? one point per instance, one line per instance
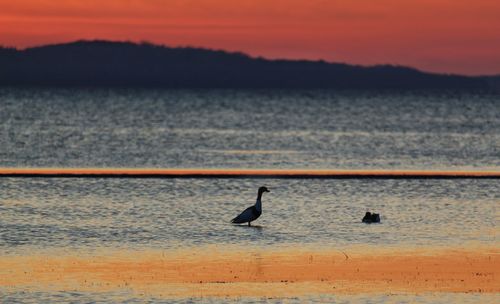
(124, 64)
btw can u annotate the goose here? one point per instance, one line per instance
(251, 213)
(371, 218)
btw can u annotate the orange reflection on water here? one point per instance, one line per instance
(274, 273)
(179, 172)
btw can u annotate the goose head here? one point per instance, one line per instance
(262, 190)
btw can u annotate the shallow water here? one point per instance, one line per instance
(113, 297)
(77, 216)
(168, 213)
(245, 129)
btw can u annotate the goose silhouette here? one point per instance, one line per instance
(371, 218)
(251, 213)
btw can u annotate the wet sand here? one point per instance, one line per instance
(213, 272)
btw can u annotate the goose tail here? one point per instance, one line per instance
(236, 220)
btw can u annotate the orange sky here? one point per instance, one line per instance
(453, 36)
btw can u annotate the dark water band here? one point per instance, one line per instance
(242, 173)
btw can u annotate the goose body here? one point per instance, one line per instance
(371, 218)
(251, 213)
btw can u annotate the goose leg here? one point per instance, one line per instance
(249, 225)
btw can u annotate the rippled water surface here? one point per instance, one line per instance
(442, 298)
(168, 213)
(249, 129)
(245, 129)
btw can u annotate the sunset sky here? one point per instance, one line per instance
(451, 36)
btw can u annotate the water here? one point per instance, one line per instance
(173, 213)
(245, 129)
(249, 129)
(61, 297)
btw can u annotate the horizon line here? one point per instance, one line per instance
(244, 173)
(146, 42)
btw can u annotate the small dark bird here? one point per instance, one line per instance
(251, 213)
(371, 218)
